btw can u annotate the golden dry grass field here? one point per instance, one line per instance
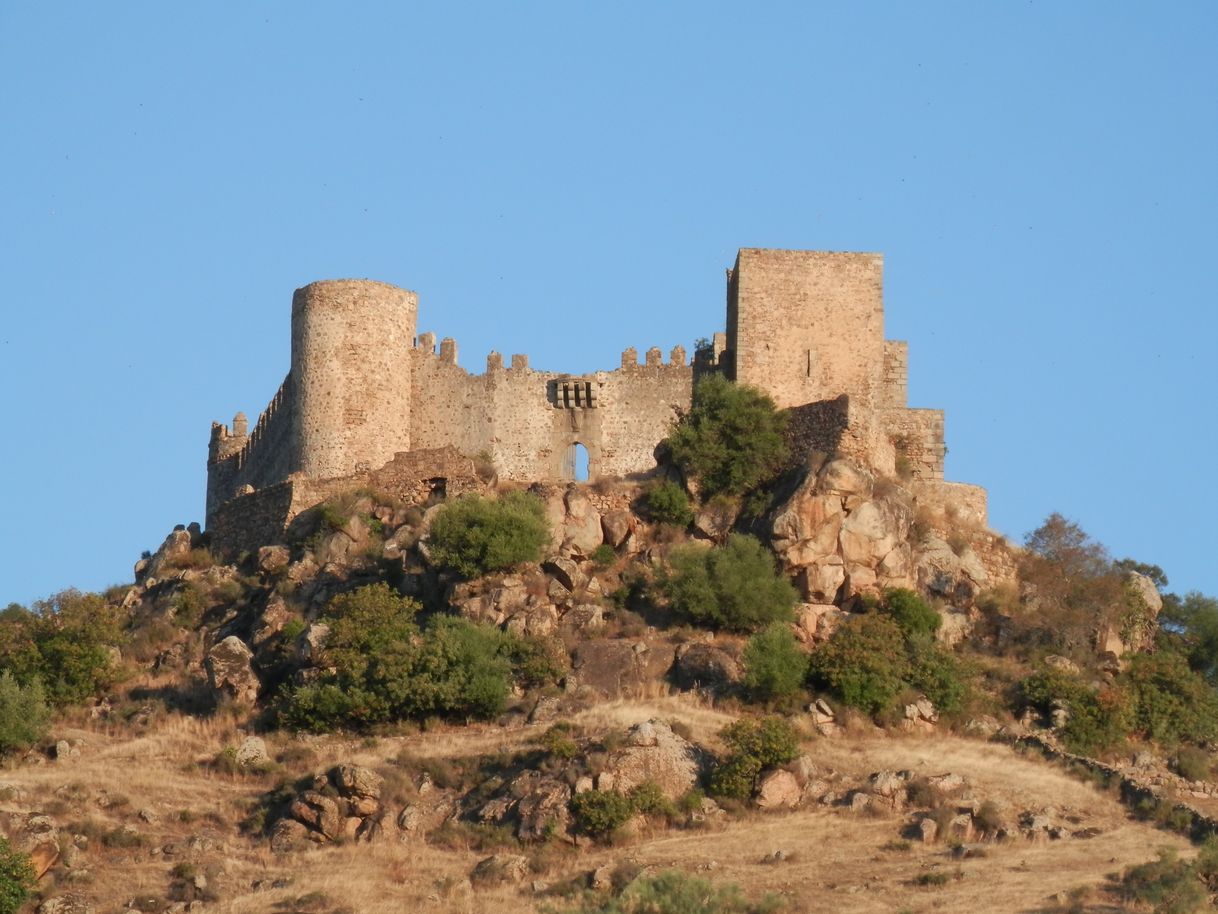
(187, 815)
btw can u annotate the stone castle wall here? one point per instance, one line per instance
(526, 421)
(352, 342)
(364, 389)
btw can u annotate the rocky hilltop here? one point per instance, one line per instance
(837, 691)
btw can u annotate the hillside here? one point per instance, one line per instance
(832, 690)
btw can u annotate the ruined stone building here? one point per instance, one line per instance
(368, 397)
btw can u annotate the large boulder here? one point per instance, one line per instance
(581, 523)
(701, 665)
(68, 903)
(653, 752)
(610, 667)
(778, 790)
(357, 781)
(616, 526)
(230, 671)
(941, 571)
(319, 813)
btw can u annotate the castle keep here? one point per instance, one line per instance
(368, 397)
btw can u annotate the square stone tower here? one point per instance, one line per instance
(806, 326)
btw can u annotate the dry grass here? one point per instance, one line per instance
(837, 861)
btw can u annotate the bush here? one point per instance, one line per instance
(1170, 702)
(936, 674)
(1171, 885)
(1077, 589)
(66, 642)
(603, 555)
(732, 586)
(675, 893)
(474, 536)
(599, 813)
(1194, 764)
(16, 878)
(1097, 720)
(914, 615)
(754, 745)
(667, 503)
(731, 440)
(379, 666)
(774, 664)
(24, 714)
(864, 663)
(1190, 626)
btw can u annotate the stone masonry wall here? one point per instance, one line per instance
(351, 346)
(259, 459)
(809, 325)
(806, 327)
(918, 437)
(514, 413)
(894, 388)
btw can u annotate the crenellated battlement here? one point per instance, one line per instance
(806, 327)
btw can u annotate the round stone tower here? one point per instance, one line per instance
(351, 350)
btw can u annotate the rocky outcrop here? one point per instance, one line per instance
(230, 672)
(706, 666)
(843, 533)
(840, 538)
(343, 803)
(653, 753)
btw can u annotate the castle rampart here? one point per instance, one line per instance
(365, 392)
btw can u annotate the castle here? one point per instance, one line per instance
(368, 398)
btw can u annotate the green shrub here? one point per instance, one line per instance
(754, 745)
(67, 642)
(913, 614)
(735, 777)
(1097, 720)
(1194, 764)
(474, 536)
(732, 586)
(379, 666)
(557, 742)
(675, 893)
(1189, 625)
(864, 663)
(667, 503)
(731, 440)
(24, 715)
(649, 800)
(1171, 702)
(936, 673)
(599, 813)
(603, 555)
(774, 664)
(16, 878)
(1168, 884)
(1047, 689)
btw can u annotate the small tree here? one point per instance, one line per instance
(68, 642)
(1075, 588)
(379, 666)
(732, 586)
(753, 746)
(24, 714)
(865, 662)
(474, 536)
(16, 878)
(774, 665)
(914, 615)
(668, 504)
(732, 438)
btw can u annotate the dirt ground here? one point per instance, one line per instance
(186, 816)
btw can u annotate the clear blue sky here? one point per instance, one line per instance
(569, 179)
